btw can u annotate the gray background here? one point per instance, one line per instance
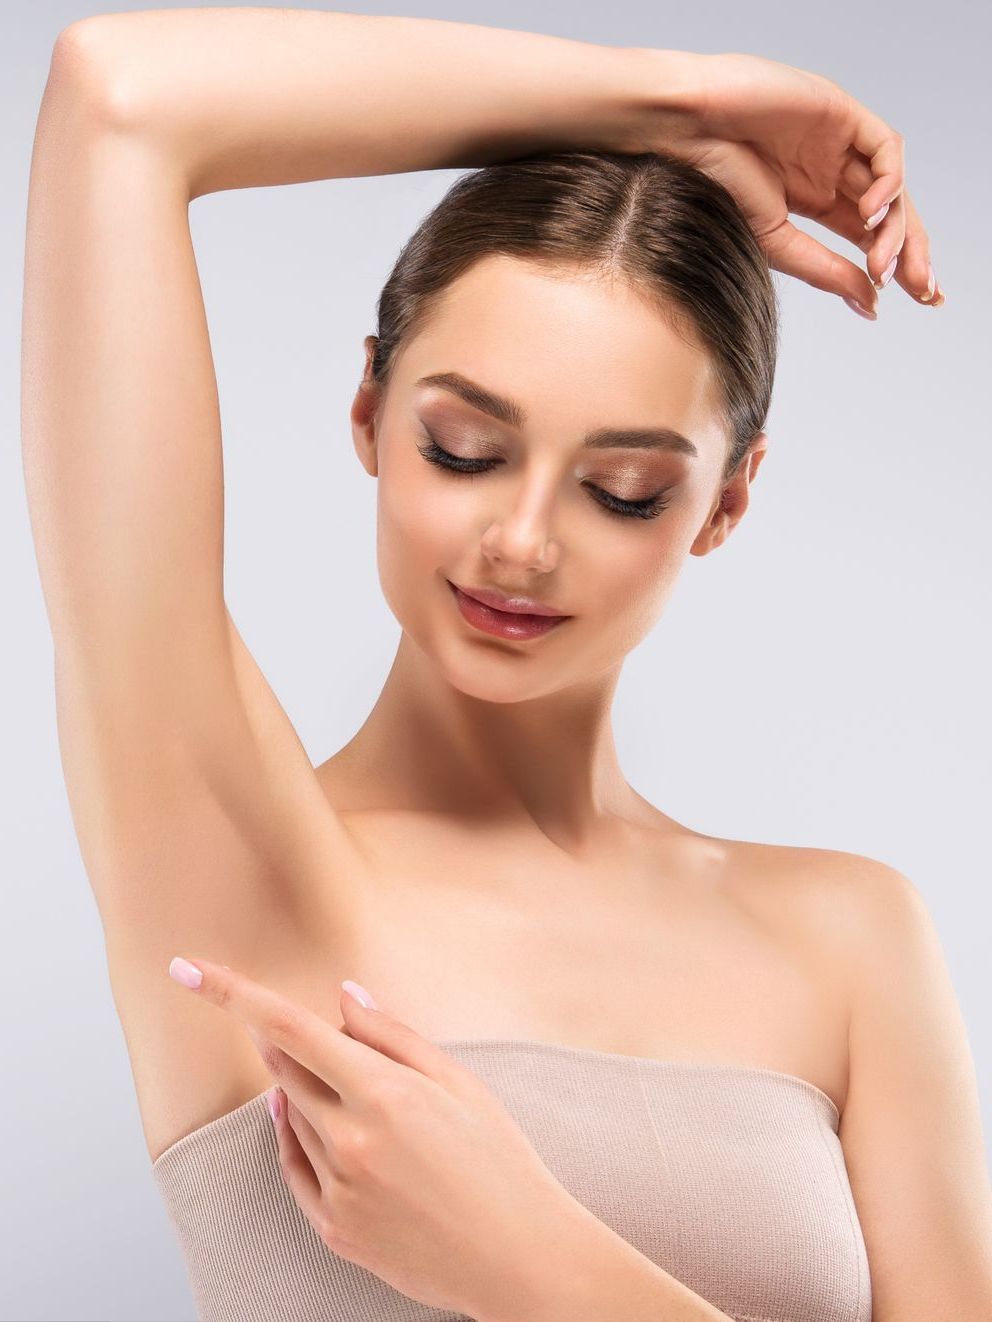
(827, 661)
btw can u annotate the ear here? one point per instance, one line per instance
(363, 414)
(731, 500)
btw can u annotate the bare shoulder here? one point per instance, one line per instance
(844, 914)
(844, 893)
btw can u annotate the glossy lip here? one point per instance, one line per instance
(509, 605)
(513, 626)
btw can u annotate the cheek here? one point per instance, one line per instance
(420, 521)
(421, 538)
(632, 586)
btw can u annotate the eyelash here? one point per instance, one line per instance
(624, 509)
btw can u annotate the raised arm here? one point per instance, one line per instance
(121, 426)
(250, 97)
(201, 822)
(337, 94)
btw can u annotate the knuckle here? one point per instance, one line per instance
(331, 1232)
(354, 1149)
(388, 1094)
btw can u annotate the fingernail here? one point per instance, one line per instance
(879, 215)
(855, 306)
(938, 300)
(886, 275)
(931, 286)
(359, 993)
(186, 973)
(272, 1098)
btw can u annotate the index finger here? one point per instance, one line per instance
(884, 149)
(344, 1063)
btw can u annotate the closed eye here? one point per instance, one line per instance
(649, 508)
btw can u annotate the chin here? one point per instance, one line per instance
(493, 671)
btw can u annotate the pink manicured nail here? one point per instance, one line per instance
(855, 306)
(360, 994)
(272, 1097)
(186, 973)
(886, 275)
(879, 216)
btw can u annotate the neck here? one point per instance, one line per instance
(550, 761)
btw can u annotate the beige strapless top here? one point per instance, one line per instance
(732, 1178)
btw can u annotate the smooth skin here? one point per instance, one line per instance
(475, 850)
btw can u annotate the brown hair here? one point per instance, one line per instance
(677, 235)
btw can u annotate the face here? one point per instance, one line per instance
(523, 503)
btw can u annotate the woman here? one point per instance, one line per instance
(613, 1054)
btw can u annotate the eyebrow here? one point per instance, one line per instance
(510, 413)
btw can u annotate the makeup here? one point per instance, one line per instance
(504, 624)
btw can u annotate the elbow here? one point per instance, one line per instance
(89, 71)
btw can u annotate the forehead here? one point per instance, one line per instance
(572, 347)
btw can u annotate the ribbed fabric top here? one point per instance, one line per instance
(732, 1178)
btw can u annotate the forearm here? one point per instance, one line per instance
(588, 1273)
(250, 97)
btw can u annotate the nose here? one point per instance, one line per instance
(521, 540)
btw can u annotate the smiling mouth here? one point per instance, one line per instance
(503, 624)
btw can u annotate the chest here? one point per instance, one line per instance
(642, 949)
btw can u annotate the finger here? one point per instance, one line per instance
(312, 1108)
(295, 1165)
(883, 148)
(844, 218)
(403, 1044)
(318, 1151)
(794, 252)
(887, 239)
(343, 1063)
(311, 1095)
(915, 269)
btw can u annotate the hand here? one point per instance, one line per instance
(403, 1160)
(783, 140)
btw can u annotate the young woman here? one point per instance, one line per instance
(620, 1068)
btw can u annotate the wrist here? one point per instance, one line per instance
(568, 1279)
(665, 97)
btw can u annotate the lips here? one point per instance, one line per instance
(509, 605)
(516, 625)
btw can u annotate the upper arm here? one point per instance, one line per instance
(911, 1129)
(201, 822)
(185, 777)
(121, 433)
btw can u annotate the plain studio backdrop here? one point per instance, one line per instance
(820, 680)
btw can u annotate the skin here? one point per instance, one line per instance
(558, 906)
(521, 730)
(485, 784)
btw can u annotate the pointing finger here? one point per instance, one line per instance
(346, 1065)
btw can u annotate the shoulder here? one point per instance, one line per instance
(856, 919)
(852, 894)
(843, 894)
(876, 912)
